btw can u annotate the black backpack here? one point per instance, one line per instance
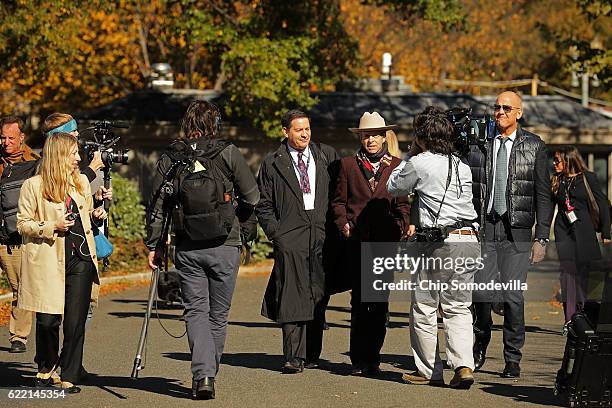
(205, 200)
(11, 181)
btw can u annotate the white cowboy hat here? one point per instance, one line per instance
(371, 122)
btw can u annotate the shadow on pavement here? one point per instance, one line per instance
(154, 315)
(14, 375)
(126, 301)
(524, 393)
(157, 385)
(270, 362)
(17, 374)
(266, 325)
(402, 361)
(178, 356)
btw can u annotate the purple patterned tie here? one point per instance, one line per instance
(303, 170)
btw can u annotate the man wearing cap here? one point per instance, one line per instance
(295, 183)
(364, 211)
(14, 150)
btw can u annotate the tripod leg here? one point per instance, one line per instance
(145, 324)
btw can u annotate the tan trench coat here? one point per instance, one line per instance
(42, 285)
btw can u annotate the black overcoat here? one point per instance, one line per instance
(578, 241)
(297, 281)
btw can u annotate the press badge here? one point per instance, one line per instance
(569, 211)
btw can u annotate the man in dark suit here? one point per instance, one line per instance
(364, 211)
(511, 193)
(295, 185)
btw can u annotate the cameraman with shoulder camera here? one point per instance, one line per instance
(211, 195)
(444, 188)
(15, 154)
(63, 122)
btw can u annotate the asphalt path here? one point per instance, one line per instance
(250, 371)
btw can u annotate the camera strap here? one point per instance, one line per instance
(448, 180)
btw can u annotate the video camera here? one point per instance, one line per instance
(470, 129)
(104, 140)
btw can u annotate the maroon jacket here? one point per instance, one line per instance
(375, 214)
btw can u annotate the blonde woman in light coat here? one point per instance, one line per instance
(59, 272)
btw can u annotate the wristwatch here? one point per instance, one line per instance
(542, 241)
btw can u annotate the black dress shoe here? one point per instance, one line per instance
(69, 387)
(372, 371)
(311, 364)
(17, 347)
(480, 355)
(512, 370)
(204, 389)
(294, 366)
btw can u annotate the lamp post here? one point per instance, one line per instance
(386, 65)
(581, 76)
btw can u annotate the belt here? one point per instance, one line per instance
(464, 232)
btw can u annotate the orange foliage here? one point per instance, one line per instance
(492, 44)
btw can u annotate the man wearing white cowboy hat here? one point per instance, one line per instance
(364, 211)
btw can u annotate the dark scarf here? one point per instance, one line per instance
(365, 160)
(23, 154)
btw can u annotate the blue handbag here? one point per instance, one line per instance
(104, 248)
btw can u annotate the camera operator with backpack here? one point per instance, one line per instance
(444, 186)
(212, 193)
(17, 163)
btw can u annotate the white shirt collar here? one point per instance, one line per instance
(511, 137)
(306, 151)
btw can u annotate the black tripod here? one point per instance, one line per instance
(161, 251)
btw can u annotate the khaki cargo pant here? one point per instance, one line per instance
(20, 324)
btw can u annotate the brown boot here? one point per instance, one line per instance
(463, 379)
(417, 378)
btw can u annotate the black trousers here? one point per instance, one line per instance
(505, 261)
(304, 340)
(368, 330)
(79, 277)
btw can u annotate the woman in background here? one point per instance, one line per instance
(576, 190)
(59, 265)
(393, 144)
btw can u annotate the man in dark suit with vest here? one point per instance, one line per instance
(511, 195)
(295, 183)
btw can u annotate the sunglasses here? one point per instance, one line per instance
(557, 161)
(506, 108)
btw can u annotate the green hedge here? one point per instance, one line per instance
(127, 227)
(127, 214)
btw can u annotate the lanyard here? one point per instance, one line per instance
(568, 205)
(68, 202)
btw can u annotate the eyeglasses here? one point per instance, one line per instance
(557, 161)
(369, 135)
(506, 108)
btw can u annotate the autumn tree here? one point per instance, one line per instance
(61, 55)
(474, 43)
